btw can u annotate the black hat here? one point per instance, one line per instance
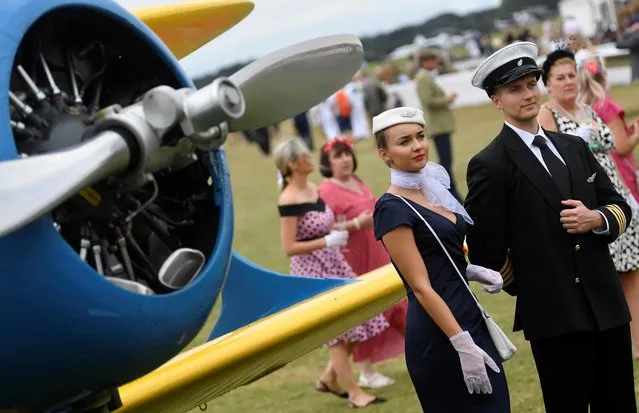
(507, 65)
(552, 58)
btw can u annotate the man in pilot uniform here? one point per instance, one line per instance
(544, 213)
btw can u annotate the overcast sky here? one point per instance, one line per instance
(274, 24)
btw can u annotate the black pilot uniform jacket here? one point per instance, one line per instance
(563, 282)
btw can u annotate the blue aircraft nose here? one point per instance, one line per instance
(66, 329)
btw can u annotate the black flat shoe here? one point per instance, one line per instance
(322, 387)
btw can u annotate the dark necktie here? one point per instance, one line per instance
(557, 169)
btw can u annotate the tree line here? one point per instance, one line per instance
(379, 46)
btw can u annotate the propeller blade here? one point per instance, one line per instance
(273, 88)
(33, 186)
(289, 81)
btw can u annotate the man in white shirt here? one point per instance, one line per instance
(544, 211)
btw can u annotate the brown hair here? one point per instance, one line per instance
(380, 139)
(338, 148)
(428, 54)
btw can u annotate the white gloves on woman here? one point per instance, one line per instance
(491, 279)
(336, 238)
(586, 132)
(473, 363)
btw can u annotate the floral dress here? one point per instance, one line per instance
(625, 249)
(315, 221)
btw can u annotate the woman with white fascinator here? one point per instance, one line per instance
(451, 358)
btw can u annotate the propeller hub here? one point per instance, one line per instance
(231, 96)
(212, 105)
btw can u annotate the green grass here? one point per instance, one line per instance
(290, 389)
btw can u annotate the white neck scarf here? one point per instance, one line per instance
(434, 182)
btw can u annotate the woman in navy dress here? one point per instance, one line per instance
(451, 359)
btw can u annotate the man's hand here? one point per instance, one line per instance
(452, 97)
(577, 219)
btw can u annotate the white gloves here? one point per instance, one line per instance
(336, 238)
(492, 279)
(586, 132)
(473, 360)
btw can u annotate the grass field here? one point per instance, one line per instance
(291, 389)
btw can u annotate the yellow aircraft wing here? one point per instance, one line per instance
(186, 27)
(243, 356)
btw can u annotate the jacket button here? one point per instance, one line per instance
(577, 247)
(577, 280)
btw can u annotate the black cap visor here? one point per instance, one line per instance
(511, 71)
(516, 74)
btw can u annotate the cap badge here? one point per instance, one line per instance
(408, 113)
(520, 62)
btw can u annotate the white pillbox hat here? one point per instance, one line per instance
(397, 116)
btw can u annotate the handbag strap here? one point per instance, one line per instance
(481, 309)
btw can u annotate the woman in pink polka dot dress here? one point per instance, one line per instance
(313, 245)
(349, 197)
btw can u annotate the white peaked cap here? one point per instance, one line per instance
(507, 65)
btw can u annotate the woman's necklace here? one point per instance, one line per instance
(573, 117)
(586, 118)
(429, 203)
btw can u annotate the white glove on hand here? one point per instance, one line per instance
(491, 279)
(586, 132)
(473, 360)
(336, 238)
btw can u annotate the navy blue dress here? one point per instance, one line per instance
(432, 362)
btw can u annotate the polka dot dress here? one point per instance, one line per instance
(315, 221)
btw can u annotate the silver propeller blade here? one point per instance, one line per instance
(291, 80)
(33, 186)
(273, 88)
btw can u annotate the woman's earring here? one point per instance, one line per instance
(388, 161)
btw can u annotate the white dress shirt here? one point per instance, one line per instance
(528, 137)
